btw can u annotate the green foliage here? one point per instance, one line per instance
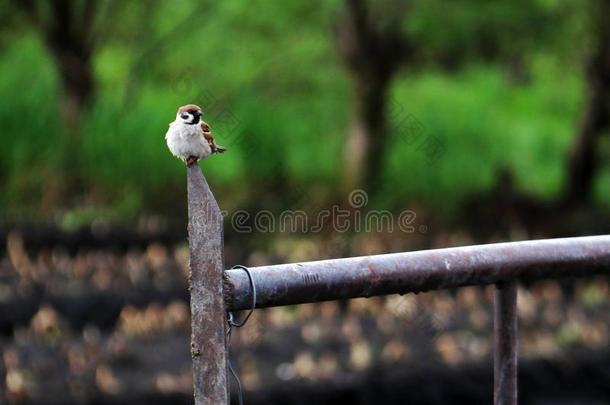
(483, 123)
(461, 31)
(277, 96)
(29, 122)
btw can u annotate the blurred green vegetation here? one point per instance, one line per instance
(278, 97)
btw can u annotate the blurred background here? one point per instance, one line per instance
(486, 121)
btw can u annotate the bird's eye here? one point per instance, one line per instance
(184, 116)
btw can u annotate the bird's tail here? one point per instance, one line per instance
(220, 149)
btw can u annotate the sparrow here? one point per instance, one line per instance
(189, 138)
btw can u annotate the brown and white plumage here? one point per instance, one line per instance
(207, 134)
(189, 138)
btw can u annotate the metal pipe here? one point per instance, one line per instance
(505, 344)
(367, 276)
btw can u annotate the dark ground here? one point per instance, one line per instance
(99, 320)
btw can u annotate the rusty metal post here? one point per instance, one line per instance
(505, 344)
(208, 338)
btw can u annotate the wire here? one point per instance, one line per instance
(253, 288)
(232, 323)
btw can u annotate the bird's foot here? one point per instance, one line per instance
(191, 160)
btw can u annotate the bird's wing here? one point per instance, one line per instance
(207, 134)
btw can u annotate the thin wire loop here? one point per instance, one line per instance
(232, 323)
(253, 288)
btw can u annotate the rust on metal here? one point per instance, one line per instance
(208, 339)
(505, 344)
(366, 276)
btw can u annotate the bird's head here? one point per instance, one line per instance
(189, 114)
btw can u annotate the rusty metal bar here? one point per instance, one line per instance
(208, 338)
(366, 276)
(505, 344)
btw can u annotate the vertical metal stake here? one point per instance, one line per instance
(505, 344)
(208, 338)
